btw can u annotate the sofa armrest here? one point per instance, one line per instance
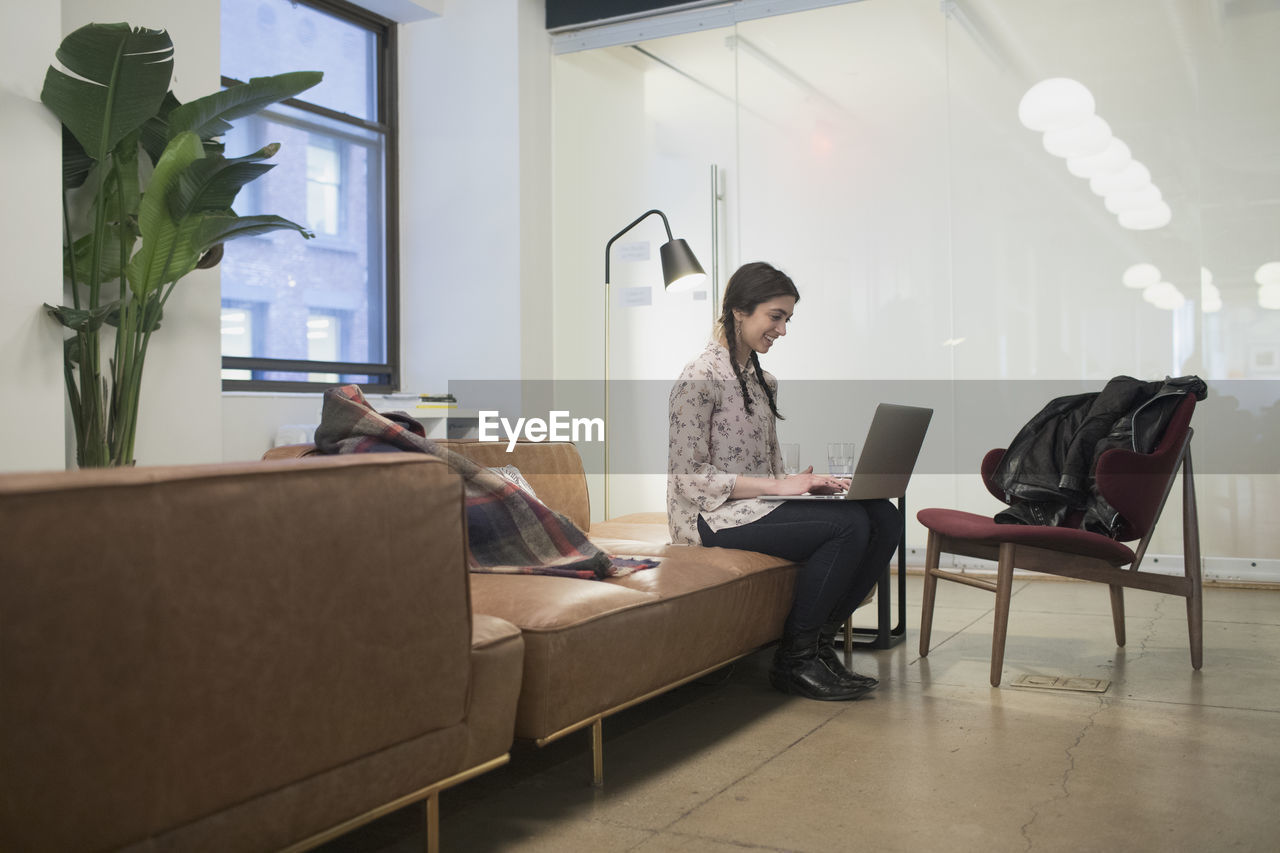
(178, 641)
(497, 667)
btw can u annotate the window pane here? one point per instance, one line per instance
(237, 335)
(327, 176)
(323, 184)
(263, 37)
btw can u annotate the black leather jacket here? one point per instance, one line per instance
(1047, 471)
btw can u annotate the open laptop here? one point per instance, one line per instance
(888, 456)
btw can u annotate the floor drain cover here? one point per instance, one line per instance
(1063, 682)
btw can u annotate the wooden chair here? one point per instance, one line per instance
(1136, 484)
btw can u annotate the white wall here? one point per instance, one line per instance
(31, 435)
(460, 178)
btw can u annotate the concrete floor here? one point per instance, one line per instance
(1167, 759)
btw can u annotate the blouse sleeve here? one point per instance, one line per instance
(691, 406)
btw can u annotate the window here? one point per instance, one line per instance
(324, 184)
(241, 322)
(307, 314)
(325, 341)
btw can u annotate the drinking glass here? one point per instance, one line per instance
(790, 459)
(840, 458)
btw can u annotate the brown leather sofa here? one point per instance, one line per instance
(593, 648)
(240, 657)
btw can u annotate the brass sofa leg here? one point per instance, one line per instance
(597, 753)
(432, 806)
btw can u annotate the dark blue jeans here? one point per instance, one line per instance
(842, 546)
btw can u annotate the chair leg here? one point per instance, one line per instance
(933, 550)
(1117, 613)
(1004, 592)
(1191, 562)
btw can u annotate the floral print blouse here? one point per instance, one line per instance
(713, 440)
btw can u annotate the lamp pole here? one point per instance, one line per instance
(678, 265)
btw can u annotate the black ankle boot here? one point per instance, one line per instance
(831, 659)
(797, 670)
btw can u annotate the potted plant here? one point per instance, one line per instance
(116, 108)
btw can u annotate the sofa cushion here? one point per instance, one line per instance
(591, 646)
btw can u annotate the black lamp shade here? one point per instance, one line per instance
(679, 266)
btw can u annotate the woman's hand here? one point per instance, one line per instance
(796, 484)
(815, 484)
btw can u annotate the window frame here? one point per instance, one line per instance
(378, 377)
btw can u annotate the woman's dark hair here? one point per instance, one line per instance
(752, 284)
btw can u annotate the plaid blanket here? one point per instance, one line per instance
(509, 531)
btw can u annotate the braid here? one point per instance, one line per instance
(751, 285)
(768, 392)
(731, 335)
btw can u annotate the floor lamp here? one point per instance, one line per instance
(680, 271)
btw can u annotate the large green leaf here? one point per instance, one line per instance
(80, 319)
(213, 182)
(155, 133)
(122, 77)
(75, 163)
(209, 116)
(167, 253)
(110, 255)
(218, 228)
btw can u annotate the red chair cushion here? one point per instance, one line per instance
(981, 528)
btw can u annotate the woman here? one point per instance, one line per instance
(725, 454)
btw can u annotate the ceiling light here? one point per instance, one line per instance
(1112, 159)
(1055, 103)
(1141, 276)
(1152, 292)
(1082, 140)
(1133, 176)
(1119, 202)
(1211, 299)
(1164, 295)
(1171, 300)
(1268, 273)
(1147, 218)
(1063, 109)
(1269, 296)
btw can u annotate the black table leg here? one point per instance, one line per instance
(882, 636)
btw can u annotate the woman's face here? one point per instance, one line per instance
(758, 330)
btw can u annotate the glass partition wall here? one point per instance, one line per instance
(960, 237)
